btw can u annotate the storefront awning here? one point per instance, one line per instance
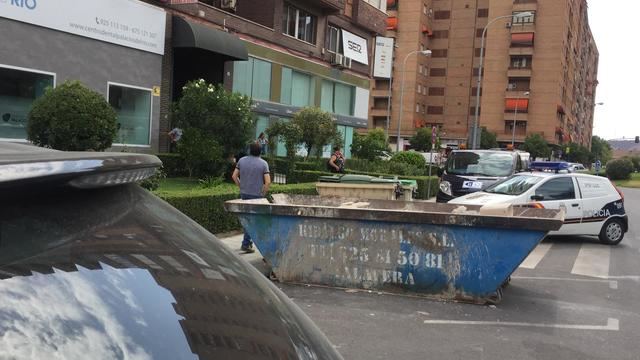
(189, 34)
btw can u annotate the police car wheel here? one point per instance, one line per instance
(612, 232)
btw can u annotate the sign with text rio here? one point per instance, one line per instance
(129, 23)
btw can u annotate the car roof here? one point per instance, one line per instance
(553, 174)
(23, 163)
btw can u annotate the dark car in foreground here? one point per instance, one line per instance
(92, 266)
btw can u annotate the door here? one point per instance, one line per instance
(562, 192)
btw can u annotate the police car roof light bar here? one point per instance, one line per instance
(555, 166)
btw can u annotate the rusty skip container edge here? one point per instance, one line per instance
(420, 248)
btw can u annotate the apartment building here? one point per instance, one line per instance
(539, 73)
(284, 54)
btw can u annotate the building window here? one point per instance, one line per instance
(337, 98)
(334, 40)
(440, 34)
(439, 53)
(424, 9)
(474, 91)
(435, 110)
(476, 71)
(483, 13)
(133, 108)
(299, 24)
(523, 20)
(297, 88)
(519, 84)
(252, 78)
(436, 91)
(479, 32)
(442, 15)
(379, 4)
(477, 52)
(19, 88)
(438, 72)
(419, 88)
(424, 90)
(521, 62)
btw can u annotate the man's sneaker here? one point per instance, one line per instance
(248, 249)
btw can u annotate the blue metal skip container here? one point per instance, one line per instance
(445, 251)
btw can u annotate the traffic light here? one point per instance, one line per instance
(637, 139)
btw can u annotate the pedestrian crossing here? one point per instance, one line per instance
(592, 260)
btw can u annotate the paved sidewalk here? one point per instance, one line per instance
(233, 242)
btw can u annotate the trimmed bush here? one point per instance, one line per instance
(206, 206)
(173, 164)
(411, 158)
(72, 117)
(620, 169)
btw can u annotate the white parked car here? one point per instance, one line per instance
(593, 205)
(575, 167)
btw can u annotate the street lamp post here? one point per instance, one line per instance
(515, 116)
(404, 63)
(478, 87)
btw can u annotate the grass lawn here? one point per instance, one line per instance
(192, 187)
(633, 183)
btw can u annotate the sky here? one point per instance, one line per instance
(614, 24)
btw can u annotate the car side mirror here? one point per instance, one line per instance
(440, 172)
(537, 197)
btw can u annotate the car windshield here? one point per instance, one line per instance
(514, 185)
(496, 164)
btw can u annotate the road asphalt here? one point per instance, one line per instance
(573, 298)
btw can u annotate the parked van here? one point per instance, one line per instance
(468, 171)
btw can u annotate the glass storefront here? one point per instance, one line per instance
(297, 88)
(133, 107)
(337, 98)
(252, 78)
(18, 90)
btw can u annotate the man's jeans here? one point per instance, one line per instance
(246, 241)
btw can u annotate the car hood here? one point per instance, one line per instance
(118, 273)
(483, 198)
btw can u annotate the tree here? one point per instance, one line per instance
(488, 139)
(202, 155)
(421, 141)
(537, 146)
(290, 133)
(577, 153)
(318, 129)
(369, 146)
(600, 150)
(72, 117)
(409, 157)
(220, 115)
(619, 169)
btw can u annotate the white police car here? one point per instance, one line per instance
(593, 205)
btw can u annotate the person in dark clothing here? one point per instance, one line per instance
(336, 162)
(252, 176)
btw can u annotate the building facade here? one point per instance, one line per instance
(296, 54)
(539, 73)
(114, 48)
(285, 55)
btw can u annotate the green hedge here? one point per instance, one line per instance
(422, 181)
(173, 164)
(206, 206)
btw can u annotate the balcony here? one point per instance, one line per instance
(380, 93)
(378, 112)
(523, 28)
(525, 5)
(332, 5)
(519, 72)
(368, 17)
(522, 117)
(521, 50)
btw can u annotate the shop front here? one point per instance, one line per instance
(114, 47)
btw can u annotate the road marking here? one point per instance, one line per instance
(624, 277)
(592, 260)
(536, 256)
(613, 284)
(612, 324)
